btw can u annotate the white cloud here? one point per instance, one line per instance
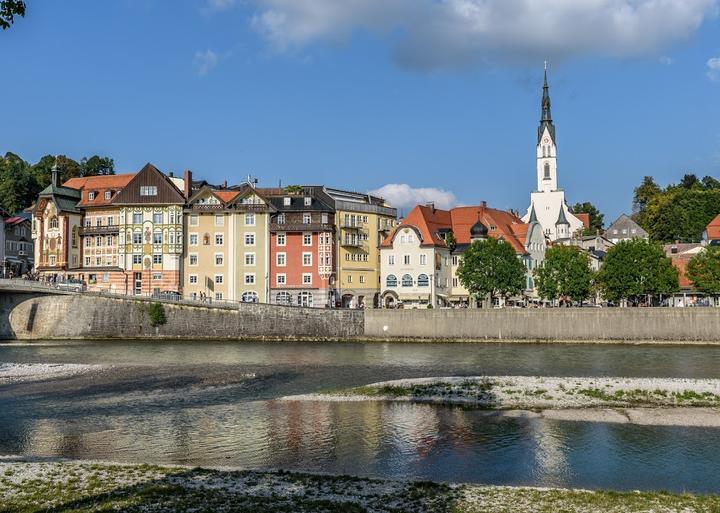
(713, 66)
(219, 5)
(204, 62)
(431, 34)
(401, 195)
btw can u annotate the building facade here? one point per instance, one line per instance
(548, 200)
(624, 228)
(362, 222)
(18, 258)
(227, 257)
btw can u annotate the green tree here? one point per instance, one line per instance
(156, 312)
(703, 270)
(597, 220)
(565, 273)
(637, 269)
(97, 165)
(8, 10)
(491, 267)
(18, 188)
(644, 193)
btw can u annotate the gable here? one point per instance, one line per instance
(149, 186)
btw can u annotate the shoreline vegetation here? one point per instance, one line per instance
(646, 401)
(28, 485)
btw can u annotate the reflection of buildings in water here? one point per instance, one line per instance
(359, 433)
(298, 430)
(413, 428)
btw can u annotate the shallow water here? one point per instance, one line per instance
(214, 404)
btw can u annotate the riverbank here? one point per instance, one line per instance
(34, 486)
(645, 401)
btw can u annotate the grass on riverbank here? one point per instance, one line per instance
(83, 487)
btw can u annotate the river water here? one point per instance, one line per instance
(215, 404)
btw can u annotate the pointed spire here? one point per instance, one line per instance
(533, 215)
(546, 115)
(561, 218)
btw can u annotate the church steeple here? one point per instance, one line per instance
(546, 116)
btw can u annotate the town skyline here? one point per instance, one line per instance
(350, 115)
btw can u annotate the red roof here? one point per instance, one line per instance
(430, 221)
(713, 229)
(681, 264)
(226, 196)
(584, 217)
(99, 185)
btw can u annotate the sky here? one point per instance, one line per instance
(421, 100)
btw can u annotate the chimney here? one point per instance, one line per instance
(171, 174)
(483, 204)
(187, 178)
(225, 184)
(55, 174)
(431, 206)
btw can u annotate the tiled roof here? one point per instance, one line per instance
(681, 264)
(431, 221)
(226, 196)
(713, 229)
(584, 217)
(99, 185)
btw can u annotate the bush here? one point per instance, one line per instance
(156, 312)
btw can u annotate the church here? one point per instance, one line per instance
(547, 203)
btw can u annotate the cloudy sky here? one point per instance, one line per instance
(418, 99)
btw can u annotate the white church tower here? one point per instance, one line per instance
(547, 203)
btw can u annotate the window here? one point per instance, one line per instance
(148, 190)
(362, 278)
(249, 297)
(249, 219)
(307, 218)
(249, 278)
(193, 239)
(88, 223)
(54, 222)
(308, 201)
(249, 239)
(87, 261)
(157, 259)
(157, 218)
(137, 218)
(281, 239)
(305, 299)
(324, 218)
(349, 278)
(218, 279)
(193, 259)
(194, 220)
(91, 195)
(137, 238)
(307, 279)
(283, 298)
(281, 259)
(391, 259)
(98, 221)
(281, 279)
(391, 280)
(286, 201)
(88, 242)
(219, 239)
(157, 238)
(219, 259)
(137, 259)
(218, 296)
(423, 259)
(250, 259)
(219, 220)
(406, 259)
(454, 260)
(110, 221)
(455, 282)
(281, 219)
(98, 241)
(423, 280)
(407, 280)
(193, 279)
(547, 171)
(307, 239)
(307, 259)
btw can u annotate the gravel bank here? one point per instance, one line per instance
(21, 372)
(93, 487)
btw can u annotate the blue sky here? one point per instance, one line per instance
(435, 94)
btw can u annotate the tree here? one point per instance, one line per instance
(565, 273)
(703, 270)
(596, 218)
(636, 269)
(491, 267)
(96, 165)
(644, 193)
(8, 10)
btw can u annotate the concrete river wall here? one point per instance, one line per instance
(32, 315)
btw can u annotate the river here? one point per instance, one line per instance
(214, 404)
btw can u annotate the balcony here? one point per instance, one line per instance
(349, 225)
(301, 227)
(352, 243)
(100, 230)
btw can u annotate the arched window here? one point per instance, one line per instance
(249, 297)
(305, 299)
(283, 298)
(423, 280)
(407, 280)
(547, 171)
(54, 222)
(391, 281)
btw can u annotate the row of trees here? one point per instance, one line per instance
(21, 182)
(634, 270)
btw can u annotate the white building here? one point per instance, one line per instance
(548, 201)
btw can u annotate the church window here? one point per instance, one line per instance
(547, 171)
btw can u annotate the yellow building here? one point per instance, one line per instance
(227, 256)
(362, 222)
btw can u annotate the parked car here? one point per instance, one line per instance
(170, 295)
(71, 285)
